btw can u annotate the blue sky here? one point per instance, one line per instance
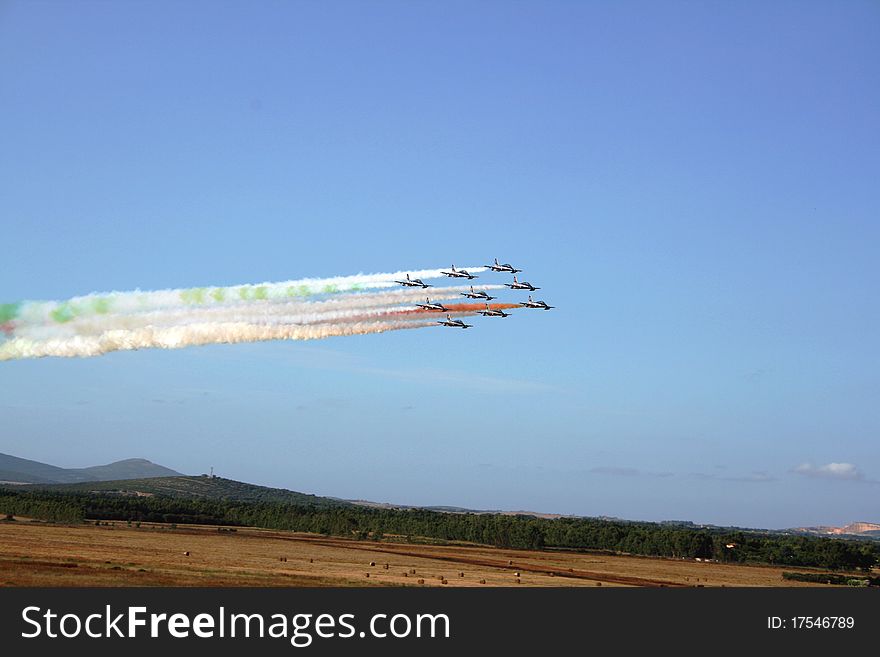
(694, 185)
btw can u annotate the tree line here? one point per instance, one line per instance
(507, 531)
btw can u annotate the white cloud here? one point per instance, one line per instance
(845, 471)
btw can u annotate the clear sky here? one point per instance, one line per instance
(695, 185)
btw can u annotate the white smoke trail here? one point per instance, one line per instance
(175, 337)
(139, 301)
(96, 324)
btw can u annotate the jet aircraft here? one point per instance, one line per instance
(454, 323)
(458, 273)
(503, 267)
(517, 285)
(493, 313)
(477, 295)
(535, 304)
(412, 282)
(439, 307)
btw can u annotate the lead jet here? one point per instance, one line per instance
(503, 267)
(439, 307)
(454, 323)
(476, 295)
(412, 282)
(516, 285)
(535, 304)
(458, 273)
(493, 313)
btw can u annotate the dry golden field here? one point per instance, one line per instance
(41, 554)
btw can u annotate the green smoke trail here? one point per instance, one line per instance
(8, 311)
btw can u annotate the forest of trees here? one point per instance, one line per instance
(507, 531)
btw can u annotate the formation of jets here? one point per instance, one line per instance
(477, 294)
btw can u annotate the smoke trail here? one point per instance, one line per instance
(100, 323)
(300, 312)
(472, 308)
(61, 312)
(176, 337)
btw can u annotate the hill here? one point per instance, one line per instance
(129, 469)
(197, 488)
(857, 529)
(19, 470)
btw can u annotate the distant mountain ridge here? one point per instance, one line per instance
(24, 471)
(202, 487)
(455, 509)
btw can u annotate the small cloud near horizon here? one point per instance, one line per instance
(840, 471)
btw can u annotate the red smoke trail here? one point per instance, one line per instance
(474, 307)
(463, 308)
(7, 327)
